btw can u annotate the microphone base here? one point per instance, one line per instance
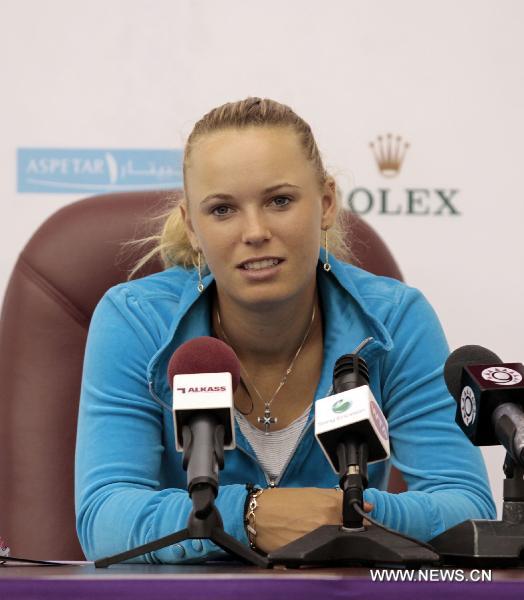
(218, 536)
(204, 523)
(482, 543)
(332, 545)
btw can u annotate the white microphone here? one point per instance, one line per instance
(351, 415)
(354, 413)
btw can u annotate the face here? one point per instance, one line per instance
(255, 209)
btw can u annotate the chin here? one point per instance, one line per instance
(258, 296)
(271, 296)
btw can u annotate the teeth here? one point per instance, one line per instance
(261, 264)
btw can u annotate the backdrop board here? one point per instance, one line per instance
(417, 109)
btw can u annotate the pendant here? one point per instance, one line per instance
(267, 420)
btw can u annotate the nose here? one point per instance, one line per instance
(255, 229)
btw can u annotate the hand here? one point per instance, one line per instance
(285, 514)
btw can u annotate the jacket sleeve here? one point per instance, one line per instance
(118, 496)
(445, 473)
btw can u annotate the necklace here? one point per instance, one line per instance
(267, 420)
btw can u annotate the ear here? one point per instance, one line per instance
(184, 210)
(329, 203)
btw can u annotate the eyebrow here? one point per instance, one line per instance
(266, 191)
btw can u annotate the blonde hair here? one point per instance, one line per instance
(172, 242)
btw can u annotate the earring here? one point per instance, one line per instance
(200, 286)
(327, 266)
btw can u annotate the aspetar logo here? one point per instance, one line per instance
(390, 153)
(80, 170)
(341, 405)
(204, 388)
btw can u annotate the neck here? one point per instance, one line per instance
(271, 335)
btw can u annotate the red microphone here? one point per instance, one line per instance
(203, 373)
(204, 355)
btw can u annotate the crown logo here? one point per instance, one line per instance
(389, 152)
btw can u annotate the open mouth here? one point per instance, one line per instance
(259, 265)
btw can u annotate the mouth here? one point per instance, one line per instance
(260, 263)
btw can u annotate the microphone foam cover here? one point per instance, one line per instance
(204, 355)
(462, 357)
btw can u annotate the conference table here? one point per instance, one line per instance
(225, 580)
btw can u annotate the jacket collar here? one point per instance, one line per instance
(342, 303)
(342, 298)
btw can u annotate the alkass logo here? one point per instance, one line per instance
(389, 152)
(204, 388)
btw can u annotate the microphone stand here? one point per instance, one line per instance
(353, 543)
(489, 542)
(205, 521)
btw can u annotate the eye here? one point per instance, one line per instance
(281, 201)
(220, 211)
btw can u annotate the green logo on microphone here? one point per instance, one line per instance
(341, 405)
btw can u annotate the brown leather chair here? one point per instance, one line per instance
(61, 274)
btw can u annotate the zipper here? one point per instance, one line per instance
(290, 457)
(300, 437)
(270, 482)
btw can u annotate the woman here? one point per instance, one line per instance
(258, 206)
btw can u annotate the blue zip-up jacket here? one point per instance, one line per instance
(129, 482)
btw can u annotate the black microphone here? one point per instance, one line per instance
(490, 398)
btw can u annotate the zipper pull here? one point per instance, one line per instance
(157, 399)
(362, 345)
(271, 483)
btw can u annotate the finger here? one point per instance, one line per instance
(368, 507)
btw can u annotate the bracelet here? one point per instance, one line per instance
(250, 520)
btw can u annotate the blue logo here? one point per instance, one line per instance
(72, 171)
